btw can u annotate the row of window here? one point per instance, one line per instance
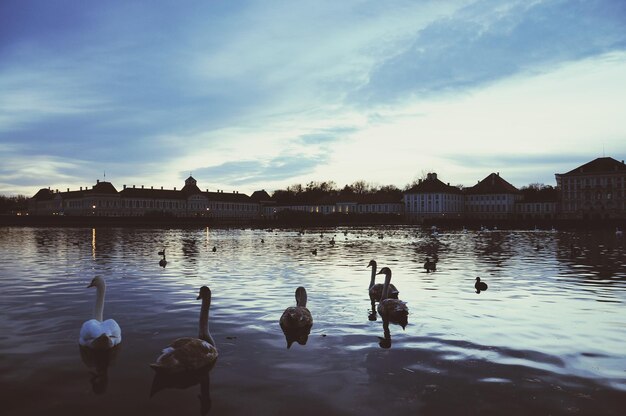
(597, 181)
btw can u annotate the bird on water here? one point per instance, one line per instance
(392, 310)
(97, 333)
(191, 354)
(480, 285)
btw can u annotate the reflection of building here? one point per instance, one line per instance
(491, 198)
(595, 190)
(104, 200)
(431, 198)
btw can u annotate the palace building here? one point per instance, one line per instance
(103, 199)
(595, 190)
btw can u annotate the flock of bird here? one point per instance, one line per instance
(189, 354)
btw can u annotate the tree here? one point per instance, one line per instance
(13, 204)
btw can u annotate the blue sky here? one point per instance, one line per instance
(248, 95)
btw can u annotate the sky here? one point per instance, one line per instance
(248, 95)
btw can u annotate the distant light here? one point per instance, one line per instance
(93, 206)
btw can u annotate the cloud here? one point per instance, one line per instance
(483, 43)
(326, 136)
(251, 171)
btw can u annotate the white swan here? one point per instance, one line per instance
(191, 354)
(96, 333)
(392, 310)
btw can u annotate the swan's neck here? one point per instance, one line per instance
(373, 279)
(301, 299)
(99, 311)
(386, 286)
(204, 333)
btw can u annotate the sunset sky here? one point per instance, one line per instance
(249, 95)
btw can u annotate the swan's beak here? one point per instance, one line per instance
(90, 285)
(199, 297)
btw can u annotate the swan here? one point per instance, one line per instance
(96, 333)
(480, 285)
(190, 354)
(296, 317)
(376, 290)
(392, 310)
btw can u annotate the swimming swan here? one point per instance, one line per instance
(376, 290)
(190, 354)
(298, 316)
(96, 333)
(392, 310)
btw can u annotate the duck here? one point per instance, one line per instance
(191, 354)
(97, 333)
(214, 249)
(376, 289)
(430, 266)
(618, 232)
(392, 310)
(480, 285)
(314, 252)
(163, 262)
(296, 317)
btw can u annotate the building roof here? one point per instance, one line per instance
(596, 166)
(104, 188)
(492, 184)
(44, 194)
(432, 185)
(227, 197)
(152, 193)
(261, 195)
(191, 187)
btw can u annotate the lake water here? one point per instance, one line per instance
(547, 337)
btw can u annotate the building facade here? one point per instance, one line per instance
(431, 198)
(492, 198)
(595, 190)
(103, 200)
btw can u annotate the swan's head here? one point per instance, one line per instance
(205, 293)
(385, 270)
(372, 263)
(97, 282)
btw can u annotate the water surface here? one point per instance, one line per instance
(547, 337)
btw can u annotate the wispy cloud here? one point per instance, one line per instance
(251, 171)
(483, 43)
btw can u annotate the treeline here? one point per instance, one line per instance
(13, 204)
(316, 191)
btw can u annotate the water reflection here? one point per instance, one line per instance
(299, 335)
(98, 361)
(385, 342)
(185, 380)
(93, 243)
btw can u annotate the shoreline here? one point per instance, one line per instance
(305, 222)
